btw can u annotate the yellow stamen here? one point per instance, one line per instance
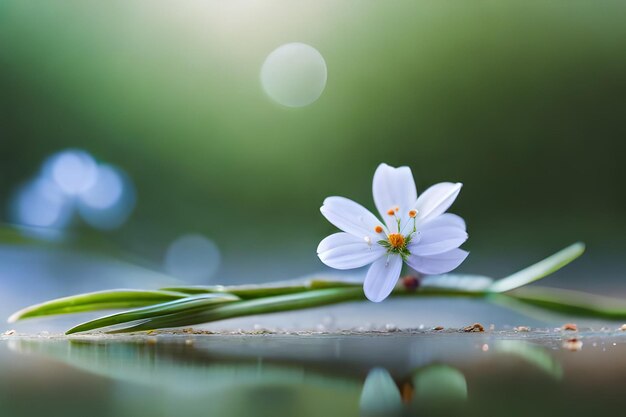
(378, 229)
(391, 212)
(396, 240)
(412, 213)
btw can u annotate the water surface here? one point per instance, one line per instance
(399, 373)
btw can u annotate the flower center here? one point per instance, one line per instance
(397, 243)
(396, 240)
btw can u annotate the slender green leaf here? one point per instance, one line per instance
(539, 270)
(567, 302)
(264, 305)
(189, 305)
(100, 300)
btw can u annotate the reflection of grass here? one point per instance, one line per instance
(531, 354)
(181, 367)
(191, 379)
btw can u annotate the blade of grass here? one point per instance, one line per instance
(568, 302)
(99, 300)
(189, 305)
(538, 270)
(532, 354)
(264, 305)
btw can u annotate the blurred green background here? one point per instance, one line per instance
(522, 101)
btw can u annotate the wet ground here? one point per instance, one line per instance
(516, 372)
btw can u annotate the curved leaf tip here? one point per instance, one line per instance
(539, 270)
(99, 300)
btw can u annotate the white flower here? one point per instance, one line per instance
(416, 231)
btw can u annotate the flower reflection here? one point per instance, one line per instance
(439, 386)
(434, 387)
(380, 395)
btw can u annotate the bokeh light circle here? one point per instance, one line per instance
(41, 203)
(294, 75)
(110, 201)
(73, 170)
(107, 190)
(192, 257)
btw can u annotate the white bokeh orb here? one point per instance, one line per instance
(41, 203)
(73, 170)
(294, 75)
(110, 201)
(107, 190)
(192, 257)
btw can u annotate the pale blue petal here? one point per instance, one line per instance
(351, 217)
(444, 220)
(394, 187)
(382, 277)
(345, 251)
(437, 264)
(436, 200)
(433, 241)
